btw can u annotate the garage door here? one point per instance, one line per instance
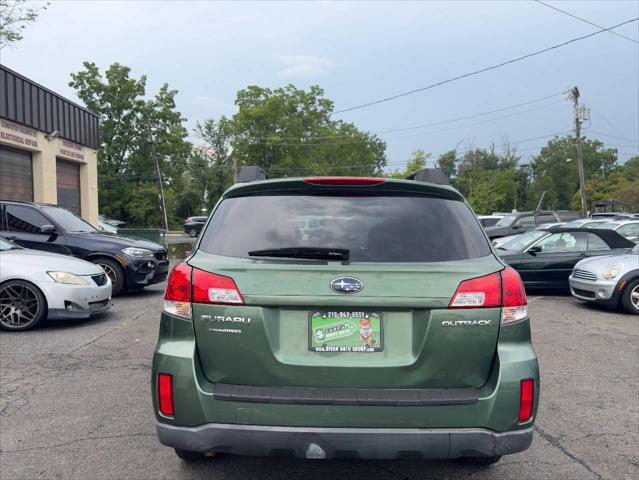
(16, 175)
(68, 180)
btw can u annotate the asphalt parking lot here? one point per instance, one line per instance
(75, 404)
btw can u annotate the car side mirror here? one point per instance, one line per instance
(48, 230)
(517, 226)
(534, 250)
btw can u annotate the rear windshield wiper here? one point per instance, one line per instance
(312, 253)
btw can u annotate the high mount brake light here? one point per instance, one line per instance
(502, 289)
(526, 399)
(187, 285)
(353, 181)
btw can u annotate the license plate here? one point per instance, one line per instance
(345, 331)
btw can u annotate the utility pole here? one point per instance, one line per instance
(580, 161)
(158, 173)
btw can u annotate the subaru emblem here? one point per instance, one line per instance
(346, 285)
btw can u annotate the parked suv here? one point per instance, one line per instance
(193, 225)
(521, 222)
(130, 263)
(390, 330)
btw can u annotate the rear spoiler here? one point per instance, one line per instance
(251, 174)
(430, 175)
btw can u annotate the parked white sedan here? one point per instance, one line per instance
(35, 285)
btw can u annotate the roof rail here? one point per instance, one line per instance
(251, 174)
(430, 175)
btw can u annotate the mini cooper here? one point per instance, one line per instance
(390, 329)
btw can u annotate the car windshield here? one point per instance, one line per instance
(7, 245)
(507, 221)
(371, 228)
(522, 241)
(68, 221)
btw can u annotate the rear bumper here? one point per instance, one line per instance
(367, 443)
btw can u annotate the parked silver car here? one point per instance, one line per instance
(35, 285)
(611, 280)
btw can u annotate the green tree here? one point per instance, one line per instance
(15, 15)
(416, 163)
(555, 170)
(448, 163)
(490, 181)
(129, 122)
(622, 183)
(290, 132)
(211, 164)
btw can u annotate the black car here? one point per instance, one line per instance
(521, 222)
(131, 263)
(545, 258)
(193, 225)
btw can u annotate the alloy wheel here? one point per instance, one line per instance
(108, 269)
(19, 306)
(634, 297)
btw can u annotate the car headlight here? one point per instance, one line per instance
(137, 252)
(67, 278)
(613, 271)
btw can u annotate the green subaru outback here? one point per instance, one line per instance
(344, 317)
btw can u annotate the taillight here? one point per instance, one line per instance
(502, 289)
(177, 295)
(186, 220)
(514, 305)
(212, 288)
(165, 393)
(354, 181)
(526, 399)
(482, 292)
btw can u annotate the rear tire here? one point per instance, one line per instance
(192, 457)
(481, 461)
(114, 271)
(22, 306)
(192, 233)
(630, 297)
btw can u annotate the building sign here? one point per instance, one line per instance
(71, 150)
(14, 133)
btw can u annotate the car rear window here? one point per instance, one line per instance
(373, 228)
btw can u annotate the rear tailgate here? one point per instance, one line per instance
(423, 344)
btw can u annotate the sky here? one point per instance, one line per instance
(359, 52)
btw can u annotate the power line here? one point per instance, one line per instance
(474, 123)
(613, 136)
(442, 122)
(467, 117)
(584, 20)
(600, 115)
(276, 142)
(482, 70)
